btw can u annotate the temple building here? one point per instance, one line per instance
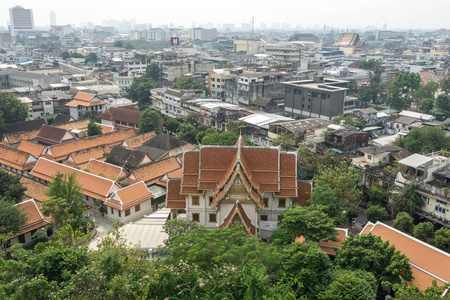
(224, 185)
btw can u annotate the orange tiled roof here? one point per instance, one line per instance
(15, 158)
(84, 96)
(35, 190)
(35, 219)
(81, 158)
(60, 152)
(108, 170)
(93, 186)
(173, 198)
(432, 262)
(153, 172)
(77, 124)
(17, 137)
(129, 196)
(76, 103)
(32, 148)
(137, 141)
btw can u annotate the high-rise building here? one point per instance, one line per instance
(52, 18)
(21, 19)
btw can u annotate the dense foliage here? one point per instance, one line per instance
(150, 121)
(13, 110)
(424, 141)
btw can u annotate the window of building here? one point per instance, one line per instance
(281, 202)
(196, 217)
(22, 238)
(369, 156)
(212, 218)
(211, 200)
(279, 218)
(112, 210)
(195, 200)
(309, 106)
(266, 202)
(137, 208)
(120, 213)
(264, 217)
(213, 79)
(439, 209)
(127, 212)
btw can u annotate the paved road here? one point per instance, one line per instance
(102, 225)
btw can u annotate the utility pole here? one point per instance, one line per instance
(253, 25)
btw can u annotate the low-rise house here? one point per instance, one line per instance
(15, 160)
(427, 263)
(62, 151)
(129, 203)
(348, 140)
(374, 155)
(128, 159)
(135, 142)
(127, 116)
(417, 115)
(367, 114)
(94, 186)
(257, 125)
(154, 172)
(300, 128)
(35, 221)
(163, 146)
(400, 123)
(49, 135)
(34, 149)
(85, 102)
(106, 170)
(81, 157)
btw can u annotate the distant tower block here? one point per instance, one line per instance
(52, 18)
(21, 19)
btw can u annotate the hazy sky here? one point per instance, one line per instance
(336, 13)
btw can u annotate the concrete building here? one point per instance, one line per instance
(249, 86)
(21, 20)
(217, 79)
(250, 46)
(12, 79)
(203, 34)
(320, 98)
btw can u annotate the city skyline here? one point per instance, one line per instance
(348, 14)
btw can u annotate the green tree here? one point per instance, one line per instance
(424, 141)
(343, 179)
(444, 85)
(94, 129)
(377, 195)
(64, 202)
(323, 196)
(407, 201)
(309, 266)
(404, 291)
(225, 138)
(426, 91)
(426, 105)
(404, 222)
(12, 218)
(140, 89)
(65, 55)
(187, 132)
(286, 141)
(370, 64)
(442, 239)
(91, 57)
(401, 89)
(150, 121)
(189, 83)
(424, 231)
(311, 222)
(358, 253)
(351, 285)
(311, 162)
(11, 188)
(193, 118)
(376, 213)
(442, 106)
(172, 124)
(281, 237)
(154, 72)
(13, 110)
(238, 127)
